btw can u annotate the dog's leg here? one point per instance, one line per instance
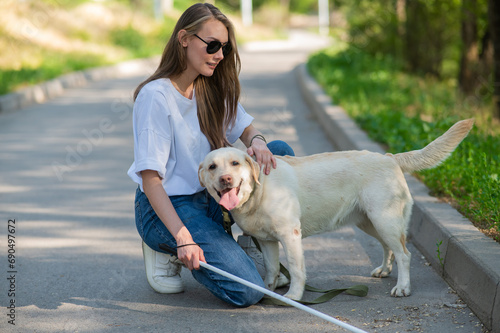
(386, 268)
(403, 257)
(270, 253)
(393, 234)
(292, 244)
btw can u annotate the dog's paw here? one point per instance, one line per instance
(282, 281)
(381, 272)
(398, 291)
(295, 292)
(271, 282)
(293, 296)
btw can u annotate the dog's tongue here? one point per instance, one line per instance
(229, 199)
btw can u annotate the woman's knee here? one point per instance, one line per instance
(229, 257)
(280, 148)
(229, 291)
(240, 295)
(247, 297)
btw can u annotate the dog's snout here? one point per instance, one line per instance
(226, 180)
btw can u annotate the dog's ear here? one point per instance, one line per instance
(201, 174)
(254, 167)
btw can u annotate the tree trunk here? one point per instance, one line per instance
(401, 16)
(468, 75)
(412, 47)
(400, 11)
(424, 39)
(486, 57)
(494, 23)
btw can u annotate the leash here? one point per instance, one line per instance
(328, 294)
(356, 290)
(271, 294)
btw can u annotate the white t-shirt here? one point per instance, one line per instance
(168, 139)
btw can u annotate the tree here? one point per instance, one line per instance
(431, 27)
(400, 7)
(494, 25)
(476, 73)
(468, 74)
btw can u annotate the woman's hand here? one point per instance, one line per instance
(187, 250)
(190, 255)
(257, 147)
(262, 154)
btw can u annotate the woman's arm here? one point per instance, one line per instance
(153, 188)
(258, 148)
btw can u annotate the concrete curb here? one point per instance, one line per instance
(470, 261)
(46, 90)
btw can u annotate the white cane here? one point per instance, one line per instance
(271, 293)
(282, 298)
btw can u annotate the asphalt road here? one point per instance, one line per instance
(78, 263)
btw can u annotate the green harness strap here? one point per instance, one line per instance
(356, 290)
(328, 294)
(227, 221)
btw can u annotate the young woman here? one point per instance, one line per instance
(187, 108)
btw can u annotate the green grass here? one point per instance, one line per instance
(54, 65)
(111, 45)
(139, 45)
(132, 42)
(406, 112)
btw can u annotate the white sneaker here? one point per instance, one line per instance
(162, 271)
(251, 250)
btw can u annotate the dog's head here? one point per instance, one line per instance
(229, 175)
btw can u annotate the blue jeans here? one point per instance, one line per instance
(202, 216)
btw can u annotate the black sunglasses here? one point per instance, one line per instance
(215, 46)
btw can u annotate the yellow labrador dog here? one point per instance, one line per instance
(319, 193)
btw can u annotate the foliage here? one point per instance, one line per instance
(128, 38)
(55, 64)
(296, 6)
(406, 112)
(373, 26)
(418, 33)
(139, 44)
(84, 42)
(438, 251)
(304, 6)
(67, 35)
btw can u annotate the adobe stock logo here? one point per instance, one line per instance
(84, 147)
(121, 110)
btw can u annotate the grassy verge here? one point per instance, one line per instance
(54, 66)
(48, 38)
(406, 112)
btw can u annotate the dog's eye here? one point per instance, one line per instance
(235, 163)
(212, 167)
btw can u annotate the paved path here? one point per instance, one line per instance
(79, 266)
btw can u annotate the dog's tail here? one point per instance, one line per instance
(436, 151)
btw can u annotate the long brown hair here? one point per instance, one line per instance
(217, 96)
